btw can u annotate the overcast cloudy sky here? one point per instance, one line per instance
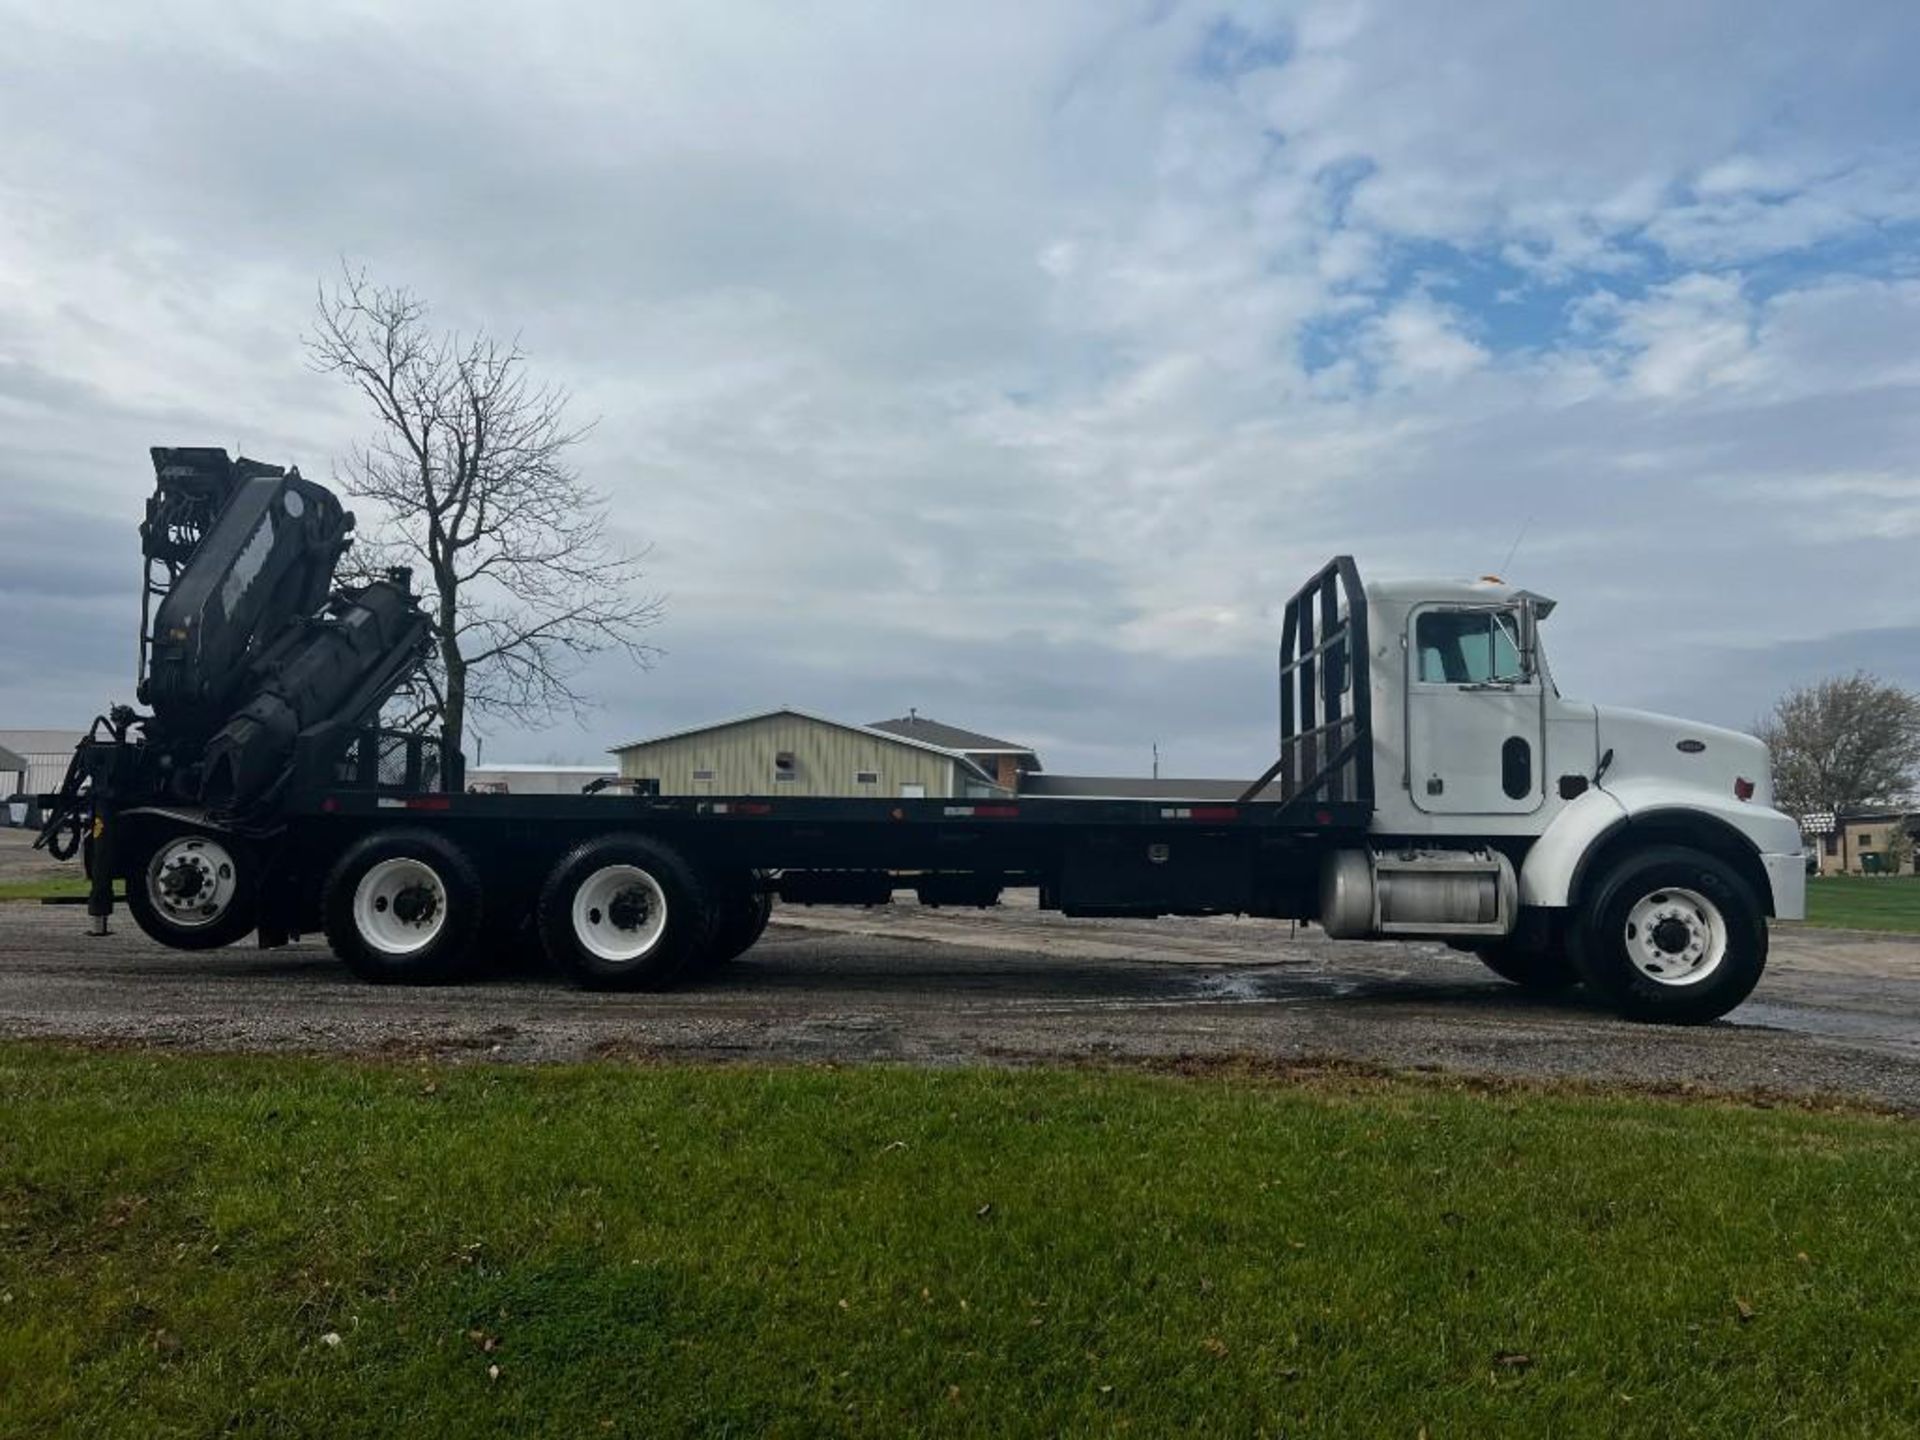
(1014, 361)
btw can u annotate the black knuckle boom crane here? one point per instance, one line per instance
(248, 655)
(1558, 840)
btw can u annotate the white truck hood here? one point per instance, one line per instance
(1698, 757)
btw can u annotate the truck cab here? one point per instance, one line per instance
(1477, 757)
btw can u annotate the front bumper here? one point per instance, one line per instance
(1787, 877)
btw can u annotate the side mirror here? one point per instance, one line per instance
(1529, 621)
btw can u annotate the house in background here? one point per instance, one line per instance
(1009, 764)
(793, 752)
(1859, 842)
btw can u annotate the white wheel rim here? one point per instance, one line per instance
(619, 913)
(1676, 936)
(400, 906)
(192, 881)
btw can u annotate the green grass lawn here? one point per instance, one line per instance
(47, 889)
(275, 1247)
(1865, 902)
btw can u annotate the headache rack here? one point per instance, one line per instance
(1326, 697)
(362, 758)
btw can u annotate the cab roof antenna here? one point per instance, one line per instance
(1507, 564)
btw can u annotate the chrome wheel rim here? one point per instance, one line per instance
(1676, 936)
(619, 914)
(400, 906)
(191, 881)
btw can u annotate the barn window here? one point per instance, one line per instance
(703, 774)
(866, 777)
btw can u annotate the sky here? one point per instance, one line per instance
(1015, 361)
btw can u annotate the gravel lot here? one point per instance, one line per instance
(1838, 1014)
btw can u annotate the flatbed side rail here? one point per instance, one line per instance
(821, 816)
(1326, 695)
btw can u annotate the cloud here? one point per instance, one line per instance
(1014, 362)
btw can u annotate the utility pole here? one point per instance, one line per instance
(1156, 759)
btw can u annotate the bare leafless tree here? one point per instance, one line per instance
(1847, 743)
(470, 468)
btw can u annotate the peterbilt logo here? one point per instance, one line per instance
(1691, 747)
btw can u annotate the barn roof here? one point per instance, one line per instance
(952, 737)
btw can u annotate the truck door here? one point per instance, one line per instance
(1475, 713)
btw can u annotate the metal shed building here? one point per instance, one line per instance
(792, 752)
(46, 753)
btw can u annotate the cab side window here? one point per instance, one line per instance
(1468, 647)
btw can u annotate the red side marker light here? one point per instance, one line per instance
(329, 805)
(1743, 788)
(1323, 817)
(429, 802)
(996, 812)
(1216, 813)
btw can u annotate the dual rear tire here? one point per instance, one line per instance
(617, 912)
(403, 907)
(625, 913)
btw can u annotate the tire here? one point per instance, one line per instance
(740, 921)
(1539, 972)
(625, 913)
(403, 907)
(1672, 935)
(193, 889)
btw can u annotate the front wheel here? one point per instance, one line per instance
(1672, 934)
(192, 890)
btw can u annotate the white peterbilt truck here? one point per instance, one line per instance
(1431, 782)
(1639, 852)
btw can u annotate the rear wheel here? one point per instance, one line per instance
(1672, 934)
(740, 920)
(625, 912)
(403, 907)
(191, 889)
